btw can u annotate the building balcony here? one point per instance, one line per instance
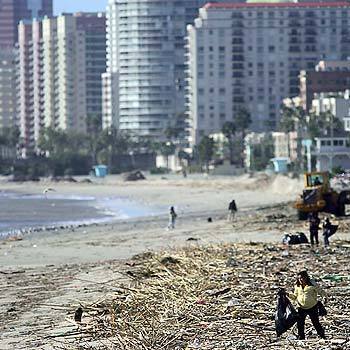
(310, 32)
(294, 49)
(237, 24)
(309, 40)
(294, 23)
(237, 41)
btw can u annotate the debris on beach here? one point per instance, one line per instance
(217, 297)
(134, 176)
(86, 181)
(78, 314)
(63, 179)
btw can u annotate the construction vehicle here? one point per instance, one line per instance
(318, 196)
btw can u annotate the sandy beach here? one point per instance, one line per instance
(43, 273)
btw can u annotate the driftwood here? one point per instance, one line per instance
(194, 299)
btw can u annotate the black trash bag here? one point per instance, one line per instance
(302, 237)
(321, 309)
(297, 238)
(286, 315)
(332, 230)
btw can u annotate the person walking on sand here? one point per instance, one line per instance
(327, 227)
(305, 293)
(172, 218)
(314, 222)
(232, 208)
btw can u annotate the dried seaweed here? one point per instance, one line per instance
(201, 300)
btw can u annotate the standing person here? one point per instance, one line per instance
(305, 293)
(327, 226)
(232, 210)
(314, 222)
(172, 218)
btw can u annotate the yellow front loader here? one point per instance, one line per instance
(318, 196)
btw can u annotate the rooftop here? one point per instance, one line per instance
(212, 5)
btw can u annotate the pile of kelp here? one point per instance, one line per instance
(221, 297)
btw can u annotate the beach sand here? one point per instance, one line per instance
(43, 274)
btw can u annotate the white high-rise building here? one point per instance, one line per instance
(145, 80)
(60, 62)
(7, 87)
(11, 12)
(250, 56)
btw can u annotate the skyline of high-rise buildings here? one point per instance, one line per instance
(249, 56)
(144, 86)
(151, 64)
(11, 12)
(61, 60)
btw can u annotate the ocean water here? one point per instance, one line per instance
(24, 213)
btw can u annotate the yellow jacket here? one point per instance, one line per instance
(307, 296)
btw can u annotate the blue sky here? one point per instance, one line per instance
(78, 5)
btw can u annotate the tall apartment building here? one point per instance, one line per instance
(250, 56)
(11, 12)
(59, 73)
(7, 87)
(145, 80)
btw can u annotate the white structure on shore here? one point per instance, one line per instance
(332, 152)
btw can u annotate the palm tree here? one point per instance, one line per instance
(9, 136)
(206, 151)
(113, 142)
(242, 121)
(287, 124)
(166, 150)
(229, 131)
(294, 119)
(94, 127)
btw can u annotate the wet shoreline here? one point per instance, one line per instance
(22, 214)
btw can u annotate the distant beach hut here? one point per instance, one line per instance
(280, 164)
(101, 170)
